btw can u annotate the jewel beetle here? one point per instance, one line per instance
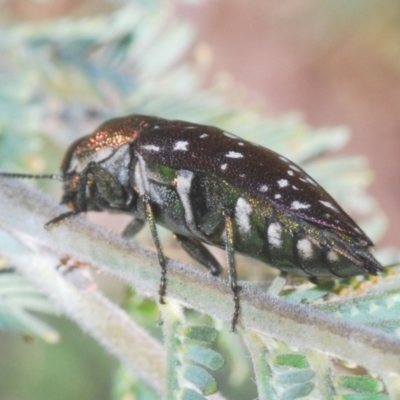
(209, 186)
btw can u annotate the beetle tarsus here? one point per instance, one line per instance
(236, 312)
(58, 219)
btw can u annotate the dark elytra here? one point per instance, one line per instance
(256, 167)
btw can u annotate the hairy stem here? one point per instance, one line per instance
(24, 211)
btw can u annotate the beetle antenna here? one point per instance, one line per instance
(29, 176)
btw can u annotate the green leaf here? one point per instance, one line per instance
(379, 310)
(204, 356)
(205, 334)
(363, 384)
(291, 360)
(305, 294)
(297, 391)
(201, 379)
(292, 377)
(363, 397)
(189, 394)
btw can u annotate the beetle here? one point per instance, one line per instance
(209, 186)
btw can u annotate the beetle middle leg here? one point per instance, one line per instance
(200, 253)
(162, 291)
(230, 257)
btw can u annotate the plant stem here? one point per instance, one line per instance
(23, 212)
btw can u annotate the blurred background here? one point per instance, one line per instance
(336, 62)
(70, 64)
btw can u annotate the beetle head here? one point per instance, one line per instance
(94, 167)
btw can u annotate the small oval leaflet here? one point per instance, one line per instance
(295, 376)
(189, 394)
(292, 360)
(204, 356)
(201, 379)
(205, 334)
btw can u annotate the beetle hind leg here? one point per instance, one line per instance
(200, 253)
(230, 257)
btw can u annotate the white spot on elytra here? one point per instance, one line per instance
(295, 187)
(229, 135)
(332, 256)
(283, 182)
(305, 248)
(156, 126)
(263, 188)
(328, 204)
(241, 144)
(284, 159)
(294, 168)
(291, 173)
(296, 205)
(234, 154)
(242, 175)
(309, 180)
(181, 145)
(204, 135)
(224, 166)
(275, 234)
(242, 211)
(184, 180)
(151, 147)
(277, 196)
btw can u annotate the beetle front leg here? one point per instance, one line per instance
(133, 228)
(200, 253)
(230, 258)
(162, 291)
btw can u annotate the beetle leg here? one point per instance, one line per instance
(230, 257)
(133, 228)
(200, 253)
(59, 218)
(162, 291)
